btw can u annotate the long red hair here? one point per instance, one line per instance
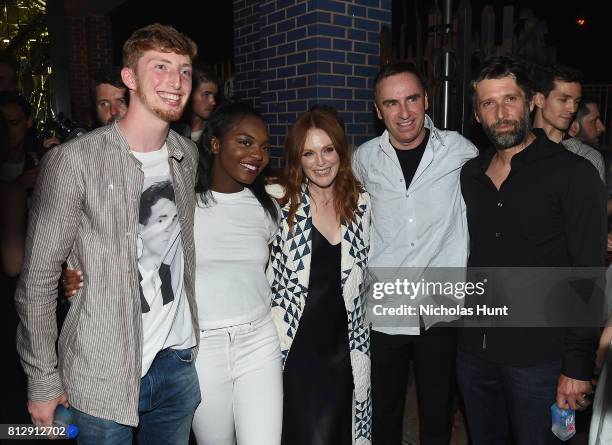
(346, 187)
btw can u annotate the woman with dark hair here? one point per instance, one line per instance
(316, 270)
(239, 361)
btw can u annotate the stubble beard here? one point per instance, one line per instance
(521, 129)
(165, 115)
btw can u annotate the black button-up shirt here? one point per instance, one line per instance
(550, 211)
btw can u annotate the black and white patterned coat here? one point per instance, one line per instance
(289, 272)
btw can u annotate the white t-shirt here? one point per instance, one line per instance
(195, 135)
(231, 237)
(166, 317)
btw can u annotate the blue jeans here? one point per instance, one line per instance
(169, 395)
(507, 404)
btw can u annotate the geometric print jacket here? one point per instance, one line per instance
(288, 273)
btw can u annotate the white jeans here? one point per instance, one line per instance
(240, 374)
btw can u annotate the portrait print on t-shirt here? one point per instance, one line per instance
(158, 243)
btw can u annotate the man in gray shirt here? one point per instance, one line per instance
(418, 221)
(126, 350)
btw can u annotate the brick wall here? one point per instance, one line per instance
(309, 52)
(89, 47)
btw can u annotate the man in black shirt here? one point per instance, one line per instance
(530, 203)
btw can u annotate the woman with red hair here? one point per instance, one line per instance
(316, 270)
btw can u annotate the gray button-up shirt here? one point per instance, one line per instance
(423, 226)
(85, 210)
(578, 147)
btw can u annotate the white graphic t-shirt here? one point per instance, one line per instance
(166, 318)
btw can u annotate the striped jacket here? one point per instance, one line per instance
(289, 272)
(85, 211)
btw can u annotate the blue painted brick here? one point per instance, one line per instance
(296, 82)
(343, 68)
(326, 30)
(356, 82)
(342, 93)
(266, 8)
(362, 116)
(285, 26)
(277, 85)
(296, 10)
(328, 56)
(247, 84)
(332, 80)
(342, 44)
(298, 106)
(287, 48)
(339, 105)
(288, 71)
(277, 62)
(287, 117)
(323, 92)
(286, 95)
(314, 43)
(307, 19)
(378, 14)
(373, 60)
(356, 11)
(357, 59)
(370, 3)
(366, 71)
(368, 25)
(354, 34)
(268, 75)
(342, 20)
(386, 4)
(240, 59)
(294, 59)
(276, 39)
(313, 80)
(277, 129)
(373, 37)
(267, 30)
(355, 128)
(330, 5)
(253, 93)
(307, 93)
(307, 68)
(368, 48)
(357, 105)
(276, 17)
(269, 96)
(276, 152)
(245, 30)
(296, 34)
(366, 94)
(285, 3)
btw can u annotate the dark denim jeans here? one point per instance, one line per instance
(507, 404)
(169, 395)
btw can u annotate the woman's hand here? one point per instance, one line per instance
(72, 279)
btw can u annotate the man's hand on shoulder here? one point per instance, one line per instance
(573, 394)
(42, 412)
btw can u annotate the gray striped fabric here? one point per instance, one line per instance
(85, 210)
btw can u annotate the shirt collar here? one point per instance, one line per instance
(175, 149)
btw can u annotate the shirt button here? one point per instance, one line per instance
(128, 233)
(500, 204)
(497, 234)
(411, 220)
(407, 194)
(411, 244)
